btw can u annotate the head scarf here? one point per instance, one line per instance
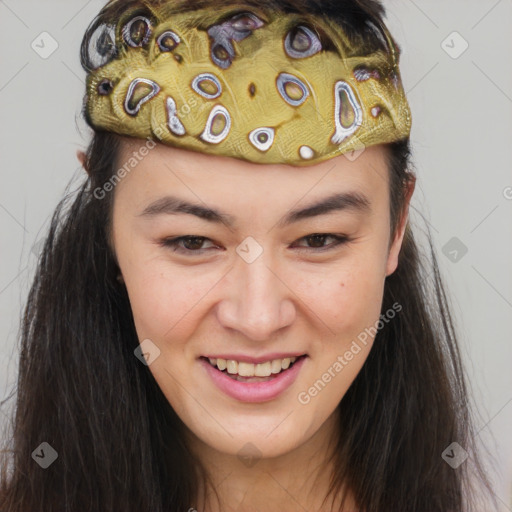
(250, 83)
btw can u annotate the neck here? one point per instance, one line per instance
(296, 480)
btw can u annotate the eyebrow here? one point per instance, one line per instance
(171, 205)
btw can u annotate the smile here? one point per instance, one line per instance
(253, 382)
(244, 369)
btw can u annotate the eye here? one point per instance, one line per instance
(318, 239)
(193, 244)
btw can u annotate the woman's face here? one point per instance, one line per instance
(253, 285)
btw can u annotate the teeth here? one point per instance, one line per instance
(263, 369)
(276, 366)
(244, 369)
(232, 366)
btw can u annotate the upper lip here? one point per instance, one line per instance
(256, 359)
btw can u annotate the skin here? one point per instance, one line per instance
(311, 301)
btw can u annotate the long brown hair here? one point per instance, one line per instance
(120, 444)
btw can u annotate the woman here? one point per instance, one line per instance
(233, 313)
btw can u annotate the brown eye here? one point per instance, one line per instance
(137, 31)
(188, 245)
(302, 42)
(193, 243)
(316, 242)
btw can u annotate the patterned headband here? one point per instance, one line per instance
(264, 86)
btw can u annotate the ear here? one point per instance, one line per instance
(394, 250)
(81, 158)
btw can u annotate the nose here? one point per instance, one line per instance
(258, 301)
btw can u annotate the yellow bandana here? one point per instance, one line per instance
(254, 84)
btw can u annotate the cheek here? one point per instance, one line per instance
(162, 301)
(163, 305)
(361, 292)
(347, 298)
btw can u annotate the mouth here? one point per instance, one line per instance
(253, 372)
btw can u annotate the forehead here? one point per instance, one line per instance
(152, 173)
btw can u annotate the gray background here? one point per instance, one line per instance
(462, 126)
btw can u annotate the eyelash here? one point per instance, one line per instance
(173, 243)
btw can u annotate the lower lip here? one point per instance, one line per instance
(254, 391)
